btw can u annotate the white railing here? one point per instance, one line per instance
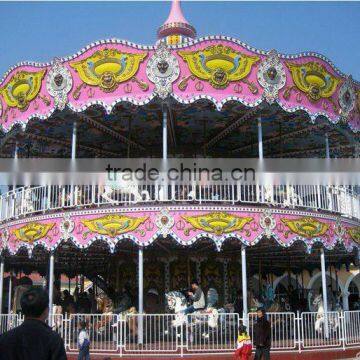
(352, 327)
(315, 333)
(212, 332)
(31, 200)
(103, 331)
(8, 322)
(152, 334)
(283, 329)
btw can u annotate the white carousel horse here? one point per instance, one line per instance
(57, 317)
(129, 188)
(25, 203)
(333, 321)
(292, 198)
(176, 303)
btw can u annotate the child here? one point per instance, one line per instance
(244, 346)
(83, 342)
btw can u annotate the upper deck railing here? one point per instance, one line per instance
(41, 199)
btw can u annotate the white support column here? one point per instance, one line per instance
(260, 139)
(141, 294)
(345, 300)
(51, 287)
(327, 148)
(10, 294)
(164, 128)
(324, 292)
(244, 285)
(16, 155)
(73, 141)
(1, 283)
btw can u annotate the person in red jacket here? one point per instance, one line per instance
(244, 346)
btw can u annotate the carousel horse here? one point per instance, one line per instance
(177, 303)
(129, 188)
(57, 318)
(106, 307)
(26, 205)
(320, 316)
(292, 198)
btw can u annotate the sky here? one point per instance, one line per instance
(39, 31)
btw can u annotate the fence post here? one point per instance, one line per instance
(342, 328)
(182, 340)
(120, 336)
(298, 319)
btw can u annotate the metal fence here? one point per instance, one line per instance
(212, 332)
(173, 334)
(283, 329)
(32, 200)
(151, 333)
(320, 331)
(352, 327)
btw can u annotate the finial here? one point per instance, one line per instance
(176, 27)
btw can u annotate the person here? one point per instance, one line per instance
(238, 305)
(244, 347)
(197, 297)
(33, 339)
(262, 336)
(83, 342)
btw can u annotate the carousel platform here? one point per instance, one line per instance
(329, 354)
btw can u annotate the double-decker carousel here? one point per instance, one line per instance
(293, 249)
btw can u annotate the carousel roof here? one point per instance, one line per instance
(212, 85)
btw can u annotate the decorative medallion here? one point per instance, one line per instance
(107, 68)
(271, 76)
(32, 231)
(67, 226)
(164, 221)
(219, 64)
(59, 83)
(339, 229)
(355, 234)
(163, 69)
(267, 222)
(22, 88)
(307, 227)
(347, 98)
(314, 80)
(5, 238)
(113, 225)
(218, 222)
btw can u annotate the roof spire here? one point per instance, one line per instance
(176, 28)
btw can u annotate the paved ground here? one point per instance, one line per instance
(313, 355)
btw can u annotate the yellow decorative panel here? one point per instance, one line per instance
(22, 88)
(32, 231)
(113, 225)
(218, 222)
(306, 226)
(314, 80)
(219, 64)
(355, 234)
(107, 68)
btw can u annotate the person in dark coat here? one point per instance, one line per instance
(33, 339)
(262, 336)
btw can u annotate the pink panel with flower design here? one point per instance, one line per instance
(217, 68)
(185, 226)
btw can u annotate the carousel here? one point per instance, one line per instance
(293, 249)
